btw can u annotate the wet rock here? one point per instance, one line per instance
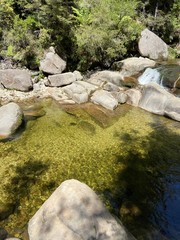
(62, 79)
(177, 83)
(150, 45)
(74, 212)
(134, 96)
(52, 63)
(129, 82)
(150, 75)
(11, 117)
(170, 75)
(165, 75)
(87, 127)
(157, 100)
(104, 99)
(34, 111)
(132, 66)
(16, 79)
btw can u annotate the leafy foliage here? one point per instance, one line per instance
(162, 17)
(33, 26)
(105, 30)
(85, 32)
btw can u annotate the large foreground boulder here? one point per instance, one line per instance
(52, 63)
(157, 100)
(11, 117)
(16, 79)
(74, 212)
(150, 45)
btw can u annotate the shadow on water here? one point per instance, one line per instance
(151, 169)
(19, 186)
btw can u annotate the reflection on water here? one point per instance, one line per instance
(132, 162)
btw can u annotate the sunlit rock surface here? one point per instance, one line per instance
(11, 117)
(52, 63)
(134, 96)
(105, 76)
(58, 80)
(157, 100)
(150, 45)
(16, 79)
(105, 99)
(132, 66)
(74, 212)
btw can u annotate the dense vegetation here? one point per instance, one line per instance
(87, 33)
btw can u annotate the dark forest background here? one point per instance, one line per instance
(86, 33)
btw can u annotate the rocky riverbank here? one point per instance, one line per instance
(107, 88)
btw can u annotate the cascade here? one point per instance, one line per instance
(150, 75)
(164, 75)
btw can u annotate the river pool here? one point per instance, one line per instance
(130, 158)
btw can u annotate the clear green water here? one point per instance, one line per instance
(128, 162)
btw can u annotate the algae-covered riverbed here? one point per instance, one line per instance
(132, 162)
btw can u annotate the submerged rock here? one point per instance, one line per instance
(11, 117)
(157, 100)
(16, 79)
(74, 212)
(150, 45)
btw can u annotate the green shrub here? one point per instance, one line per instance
(105, 30)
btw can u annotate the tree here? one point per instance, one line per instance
(32, 26)
(162, 17)
(105, 30)
(6, 16)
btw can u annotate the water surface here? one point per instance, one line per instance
(131, 159)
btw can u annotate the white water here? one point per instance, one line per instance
(150, 75)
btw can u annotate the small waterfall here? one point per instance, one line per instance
(150, 75)
(165, 75)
